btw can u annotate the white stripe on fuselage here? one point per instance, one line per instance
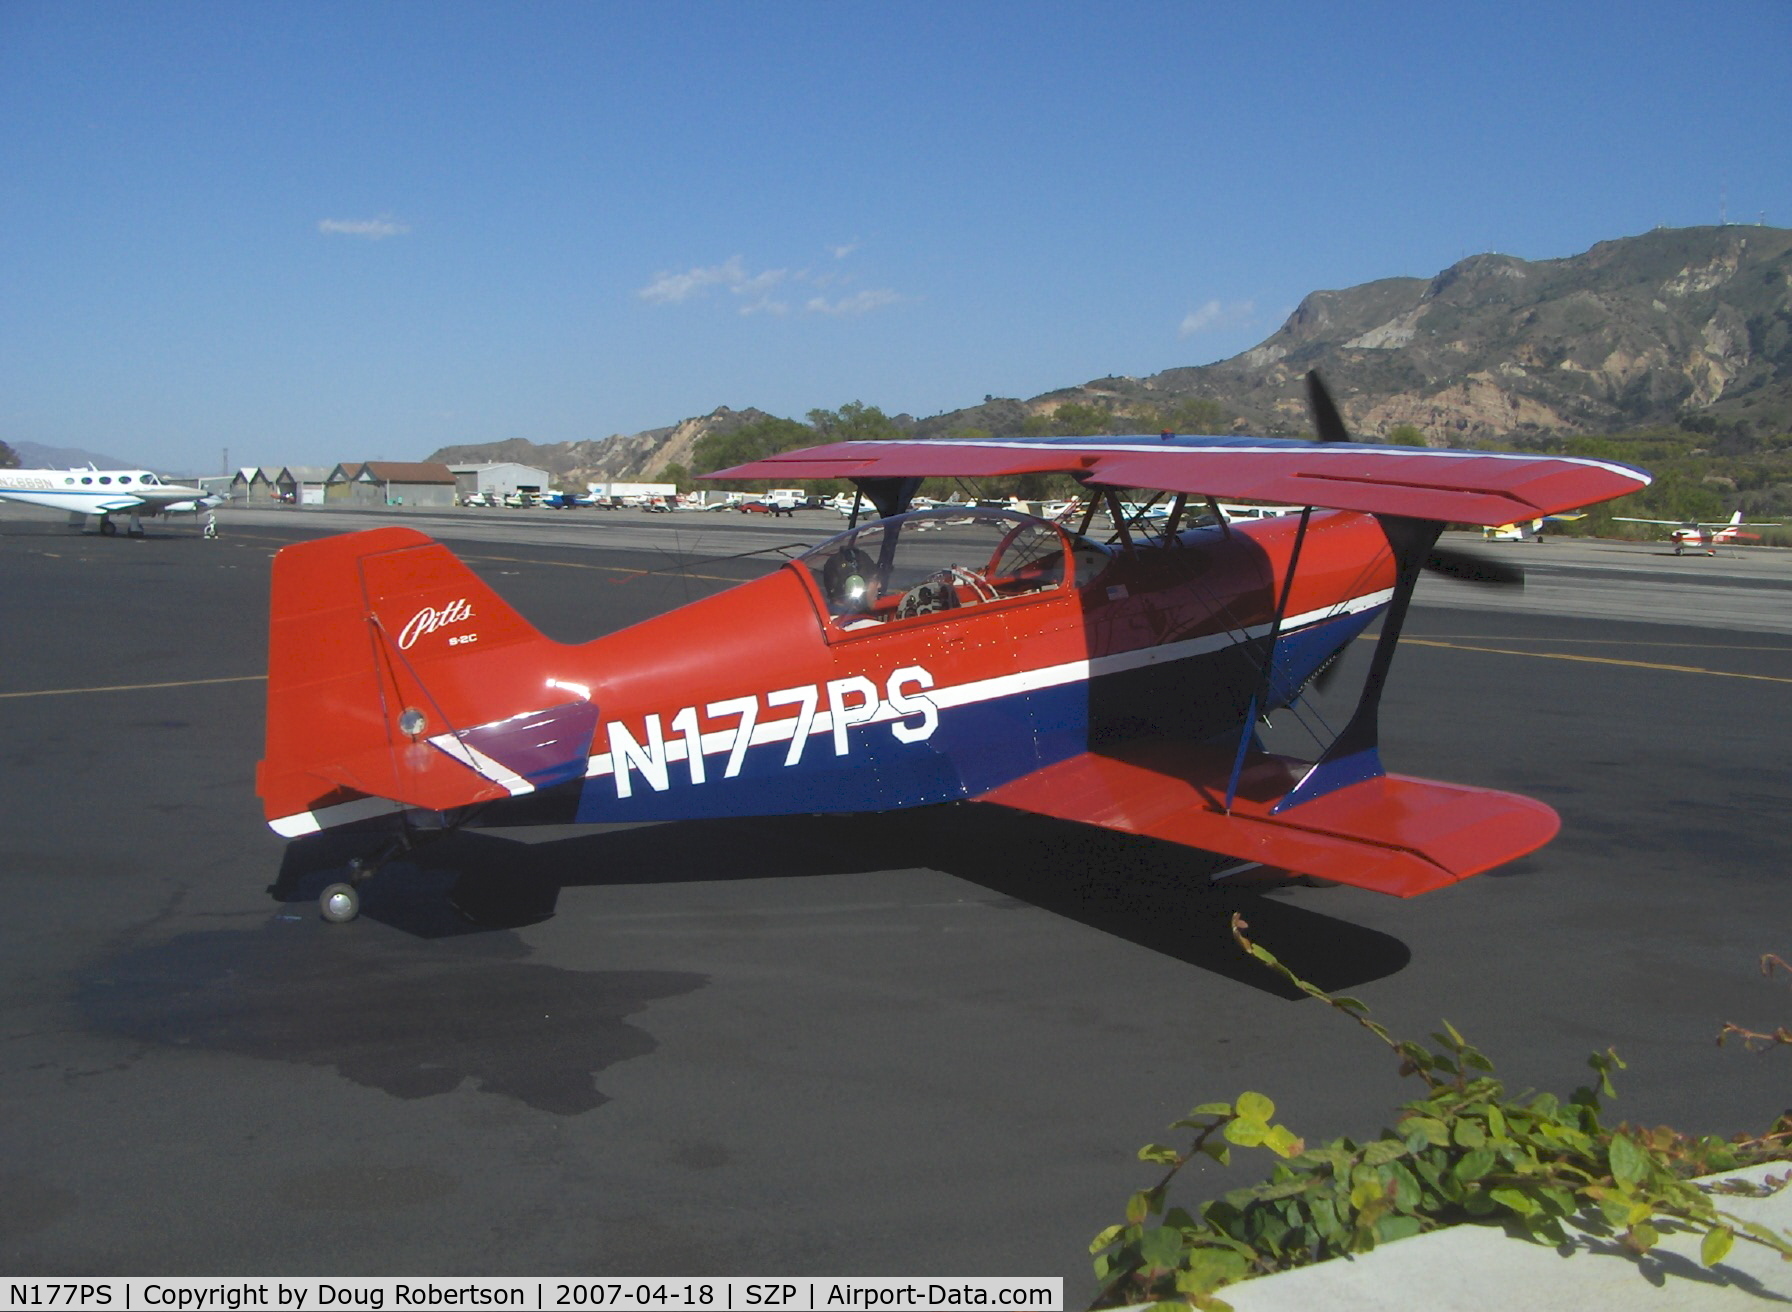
(978, 691)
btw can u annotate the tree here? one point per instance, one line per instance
(677, 475)
(9, 459)
(1075, 418)
(1405, 435)
(754, 441)
(1195, 414)
(853, 422)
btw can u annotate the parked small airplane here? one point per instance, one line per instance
(103, 492)
(1526, 530)
(995, 657)
(1696, 533)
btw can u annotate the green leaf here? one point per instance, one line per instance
(1157, 1152)
(1283, 1142)
(1206, 1269)
(1246, 1132)
(1161, 1247)
(1469, 1134)
(1382, 1151)
(1105, 1238)
(1408, 1194)
(1254, 1106)
(1716, 1245)
(1514, 1200)
(1398, 1227)
(1213, 1109)
(1474, 1165)
(1629, 1163)
(1434, 1131)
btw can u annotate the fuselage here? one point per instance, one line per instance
(96, 491)
(965, 651)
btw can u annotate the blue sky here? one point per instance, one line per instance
(332, 231)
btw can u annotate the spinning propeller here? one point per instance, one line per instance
(1448, 561)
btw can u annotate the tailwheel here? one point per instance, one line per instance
(339, 903)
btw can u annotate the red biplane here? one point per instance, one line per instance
(934, 656)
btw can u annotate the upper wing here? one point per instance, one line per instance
(1471, 487)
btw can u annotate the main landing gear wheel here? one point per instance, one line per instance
(339, 903)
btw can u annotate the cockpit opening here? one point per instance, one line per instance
(930, 561)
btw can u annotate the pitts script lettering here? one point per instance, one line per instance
(431, 618)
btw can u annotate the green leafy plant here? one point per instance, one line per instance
(1465, 1151)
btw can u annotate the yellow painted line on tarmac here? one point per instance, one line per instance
(1599, 660)
(135, 687)
(1621, 642)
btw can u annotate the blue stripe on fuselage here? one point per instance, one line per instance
(976, 746)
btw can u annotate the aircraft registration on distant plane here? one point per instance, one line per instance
(996, 657)
(103, 492)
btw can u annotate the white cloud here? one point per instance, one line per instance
(842, 251)
(858, 303)
(1213, 315)
(766, 305)
(756, 291)
(367, 229)
(670, 288)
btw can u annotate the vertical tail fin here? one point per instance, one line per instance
(382, 648)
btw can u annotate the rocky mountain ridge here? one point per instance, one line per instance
(1671, 325)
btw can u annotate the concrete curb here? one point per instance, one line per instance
(1475, 1268)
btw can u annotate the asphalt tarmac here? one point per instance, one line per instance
(920, 1044)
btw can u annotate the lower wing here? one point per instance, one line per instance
(1390, 833)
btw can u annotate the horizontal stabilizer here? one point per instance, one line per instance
(416, 774)
(1391, 834)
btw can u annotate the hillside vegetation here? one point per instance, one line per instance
(1671, 350)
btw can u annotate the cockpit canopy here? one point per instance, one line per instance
(936, 560)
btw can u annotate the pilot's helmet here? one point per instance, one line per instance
(847, 580)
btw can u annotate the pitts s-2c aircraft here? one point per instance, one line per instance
(932, 656)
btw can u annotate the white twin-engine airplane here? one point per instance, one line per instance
(102, 492)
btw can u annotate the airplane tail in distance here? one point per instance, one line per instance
(383, 650)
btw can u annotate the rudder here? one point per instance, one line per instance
(378, 642)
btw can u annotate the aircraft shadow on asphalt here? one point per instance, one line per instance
(1156, 895)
